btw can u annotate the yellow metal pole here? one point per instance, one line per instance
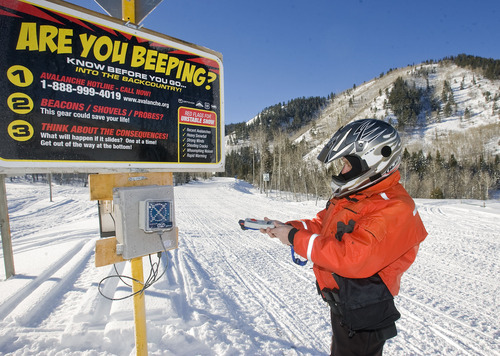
(128, 10)
(141, 343)
(141, 340)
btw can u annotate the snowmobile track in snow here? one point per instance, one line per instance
(232, 292)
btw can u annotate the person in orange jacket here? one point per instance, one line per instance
(364, 240)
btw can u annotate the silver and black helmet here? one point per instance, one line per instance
(372, 147)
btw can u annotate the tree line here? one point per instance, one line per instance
(424, 176)
(490, 67)
(289, 117)
(438, 177)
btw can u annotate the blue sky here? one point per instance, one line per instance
(275, 51)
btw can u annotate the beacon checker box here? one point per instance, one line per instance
(145, 220)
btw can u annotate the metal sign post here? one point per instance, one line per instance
(116, 8)
(141, 338)
(8, 257)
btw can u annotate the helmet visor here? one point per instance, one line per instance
(323, 155)
(336, 147)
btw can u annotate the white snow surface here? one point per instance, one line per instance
(233, 292)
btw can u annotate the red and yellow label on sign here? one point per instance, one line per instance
(197, 117)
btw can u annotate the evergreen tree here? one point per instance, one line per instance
(405, 103)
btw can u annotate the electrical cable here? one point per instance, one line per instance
(152, 278)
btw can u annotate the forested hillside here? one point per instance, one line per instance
(447, 113)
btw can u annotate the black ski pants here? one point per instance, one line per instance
(362, 343)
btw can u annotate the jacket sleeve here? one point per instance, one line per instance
(312, 225)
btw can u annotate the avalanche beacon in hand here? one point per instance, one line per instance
(254, 224)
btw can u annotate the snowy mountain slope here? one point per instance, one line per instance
(472, 93)
(233, 292)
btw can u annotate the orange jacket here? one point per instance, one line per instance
(383, 236)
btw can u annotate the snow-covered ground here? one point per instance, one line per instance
(233, 292)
